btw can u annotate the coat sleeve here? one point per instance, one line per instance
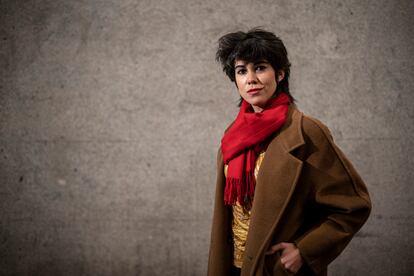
(339, 196)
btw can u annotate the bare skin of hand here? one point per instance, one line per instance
(290, 257)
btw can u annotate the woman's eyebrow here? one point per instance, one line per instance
(260, 61)
(254, 63)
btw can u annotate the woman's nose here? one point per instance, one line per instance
(251, 78)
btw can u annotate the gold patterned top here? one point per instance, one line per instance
(241, 221)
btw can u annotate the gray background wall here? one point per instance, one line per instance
(112, 112)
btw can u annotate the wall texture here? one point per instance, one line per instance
(111, 113)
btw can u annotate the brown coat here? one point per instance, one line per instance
(307, 192)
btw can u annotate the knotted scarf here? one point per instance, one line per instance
(242, 142)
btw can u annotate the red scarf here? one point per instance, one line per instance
(242, 142)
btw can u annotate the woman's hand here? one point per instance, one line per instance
(290, 258)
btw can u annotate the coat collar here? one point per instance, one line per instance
(291, 136)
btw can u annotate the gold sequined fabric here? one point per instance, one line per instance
(241, 220)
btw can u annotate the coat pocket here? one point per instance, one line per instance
(273, 266)
(278, 269)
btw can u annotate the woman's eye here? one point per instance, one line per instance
(260, 68)
(241, 71)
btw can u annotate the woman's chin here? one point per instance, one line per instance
(257, 103)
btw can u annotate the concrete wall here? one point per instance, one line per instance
(111, 113)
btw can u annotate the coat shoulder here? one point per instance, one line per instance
(315, 129)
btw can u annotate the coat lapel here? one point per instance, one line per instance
(276, 181)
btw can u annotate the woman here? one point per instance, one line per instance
(287, 199)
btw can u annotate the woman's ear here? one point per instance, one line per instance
(280, 75)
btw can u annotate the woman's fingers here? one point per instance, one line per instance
(292, 267)
(290, 256)
(277, 247)
(291, 260)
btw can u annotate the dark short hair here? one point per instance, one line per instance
(255, 45)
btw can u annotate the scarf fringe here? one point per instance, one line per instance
(236, 190)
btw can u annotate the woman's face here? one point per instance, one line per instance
(256, 82)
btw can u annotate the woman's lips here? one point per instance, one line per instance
(254, 91)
